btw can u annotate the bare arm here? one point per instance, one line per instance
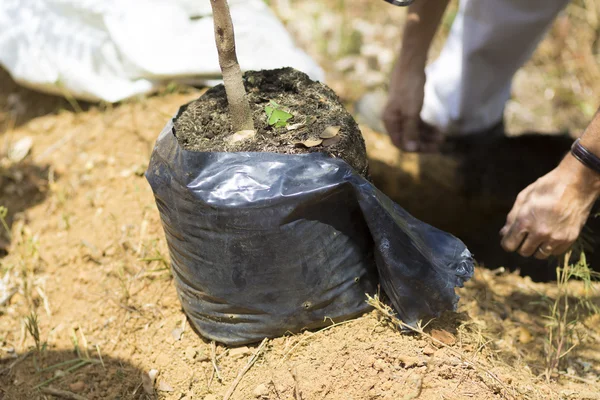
(405, 100)
(548, 215)
(422, 23)
(591, 137)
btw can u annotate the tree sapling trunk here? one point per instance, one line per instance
(308, 110)
(239, 109)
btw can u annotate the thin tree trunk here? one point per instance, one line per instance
(239, 109)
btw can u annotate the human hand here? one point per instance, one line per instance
(548, 215)
(401, 115)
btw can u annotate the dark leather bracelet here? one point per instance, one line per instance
(586, 157)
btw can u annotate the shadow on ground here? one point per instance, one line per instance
(33, 376)
(470, 191)
(22, 185)
(19, 105)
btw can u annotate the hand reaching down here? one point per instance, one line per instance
(548, 215)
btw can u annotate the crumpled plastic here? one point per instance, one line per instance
(264, 244)
(113, 50)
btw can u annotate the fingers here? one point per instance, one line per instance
(411, 134)
(530, 239)
(532, 246)
(431, 139)
(393, 122)
(410, 140)
(513, 238)
(533, 241)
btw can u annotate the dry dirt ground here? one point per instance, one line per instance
(87, 258)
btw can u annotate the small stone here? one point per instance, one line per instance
(176, 334)
(190, 353)
(409, 361)
(77, 387)
(240, 136)
(139, 170)
(202, 357)
(148, 379)
(261, 390)
(18, 151)
(379, 365)
(525, 336)
(163, 386)
(428, 351)
(239, 352)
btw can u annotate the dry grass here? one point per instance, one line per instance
(565, 314)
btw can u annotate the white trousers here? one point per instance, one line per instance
(469, 84)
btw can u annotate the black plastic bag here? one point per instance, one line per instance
(262, 244)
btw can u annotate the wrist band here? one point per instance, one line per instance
(586, 157)
(400, 3)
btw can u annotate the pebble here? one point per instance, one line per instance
(428, 351)
(176, 334)
(261, 390)
(525, 335)
(190, 353)
(239, 352)
(379, 365)
(163, 386)
(202, 357)
(78, 386)
(409, 361)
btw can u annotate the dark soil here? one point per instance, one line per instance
(204, 124)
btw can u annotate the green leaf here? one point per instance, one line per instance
(277, 116)
(269, 111)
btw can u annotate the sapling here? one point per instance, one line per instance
(239, 108)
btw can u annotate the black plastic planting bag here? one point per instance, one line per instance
(262, 244)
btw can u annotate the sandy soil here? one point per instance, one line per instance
(88, 256)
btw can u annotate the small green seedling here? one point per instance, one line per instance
(276, 116)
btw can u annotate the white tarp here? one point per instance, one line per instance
(114, 49)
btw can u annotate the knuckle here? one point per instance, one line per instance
(543, 232)
(524, 224)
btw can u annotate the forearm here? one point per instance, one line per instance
(591, 137)
(588, 179)
(422, 22)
